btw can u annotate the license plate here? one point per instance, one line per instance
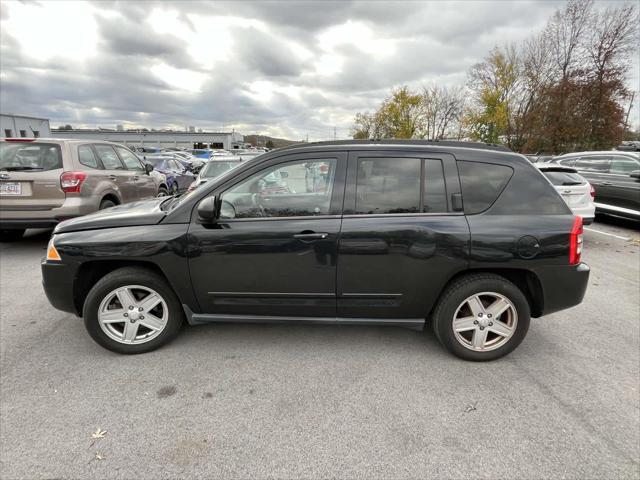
(10, 188)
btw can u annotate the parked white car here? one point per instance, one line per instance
(576, 191)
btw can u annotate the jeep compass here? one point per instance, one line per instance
(468, 238)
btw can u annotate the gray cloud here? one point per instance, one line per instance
(435, 41)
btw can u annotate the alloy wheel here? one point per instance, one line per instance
(133, 314)
(485, 321)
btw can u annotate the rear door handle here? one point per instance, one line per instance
(310, 236)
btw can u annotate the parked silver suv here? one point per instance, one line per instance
(44, 181)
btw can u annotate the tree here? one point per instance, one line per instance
(442, 107)
(399, 116)
(492, 84)
(269, 144)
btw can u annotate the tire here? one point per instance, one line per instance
(106, 203)
(166, 318)
(163, 192)
(482, 335)
(11, 235)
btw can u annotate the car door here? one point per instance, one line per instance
(624, 190)
(145, 187)
(273, 251)
(595, 168)
(401, 238)
(123, 179)
(184, 177)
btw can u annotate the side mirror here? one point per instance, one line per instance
(207, 210)
(148, 167)
(635, 174)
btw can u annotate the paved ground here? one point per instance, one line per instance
(315, 401)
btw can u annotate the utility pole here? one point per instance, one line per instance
(626, 118)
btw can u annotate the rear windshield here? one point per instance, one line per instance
(215, 169)
(564, 178)
(30, 156)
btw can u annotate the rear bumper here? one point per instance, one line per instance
(57, 281)
(72, 207)
(563, 286)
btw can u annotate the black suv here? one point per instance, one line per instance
(469, 237)
(615, 176)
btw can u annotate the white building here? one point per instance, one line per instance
(161, 139)
(23, 126)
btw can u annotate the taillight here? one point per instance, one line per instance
(71, 182)
(575, 241)
(592, 191)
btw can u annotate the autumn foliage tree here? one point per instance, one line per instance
(561, 90)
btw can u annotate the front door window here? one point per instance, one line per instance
(293, 189)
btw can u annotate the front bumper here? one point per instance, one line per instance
(563, 286)
(57, 281)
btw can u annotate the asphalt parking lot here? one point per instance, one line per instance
(256, 401)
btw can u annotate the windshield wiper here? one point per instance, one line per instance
(15, 169)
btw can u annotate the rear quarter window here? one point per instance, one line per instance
(482, 184)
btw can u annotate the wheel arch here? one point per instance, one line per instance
(526, 280)
(111, 196)
(89, 273)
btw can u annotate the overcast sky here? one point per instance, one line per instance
(283, 68)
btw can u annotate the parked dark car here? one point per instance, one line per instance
(178, 177)
(470, 238)
(615, 176)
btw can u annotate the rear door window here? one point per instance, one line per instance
(482, 184)
(86, 157)
(387, 185)
(30, 156)
(108, 157)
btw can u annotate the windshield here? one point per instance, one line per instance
(30, 156)
(215, 169)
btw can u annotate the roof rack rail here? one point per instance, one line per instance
(394, 141)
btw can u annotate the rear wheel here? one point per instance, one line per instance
(132, 310)
(106, 203)
(11, 235)
(481, 317)
(162, 192)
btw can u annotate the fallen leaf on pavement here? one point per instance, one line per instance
(99, 433)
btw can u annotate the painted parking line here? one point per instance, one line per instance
(606, 233)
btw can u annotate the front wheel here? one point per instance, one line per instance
(481, 317)
(132, 310)
(162, 192)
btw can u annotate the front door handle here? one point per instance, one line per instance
(310, 236)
